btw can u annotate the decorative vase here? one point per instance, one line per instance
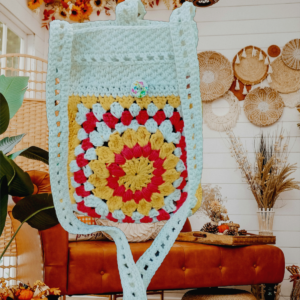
(265, 221)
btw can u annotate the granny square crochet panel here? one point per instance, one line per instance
(125, 129)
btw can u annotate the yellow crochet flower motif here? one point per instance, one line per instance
(138, 173)
(135, 171)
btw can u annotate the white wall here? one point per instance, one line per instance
(18, 13)
(227, 27)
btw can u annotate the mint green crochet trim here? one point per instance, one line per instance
(77, 67)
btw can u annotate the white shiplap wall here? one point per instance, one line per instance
(227, 27)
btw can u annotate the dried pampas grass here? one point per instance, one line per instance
(271, 174)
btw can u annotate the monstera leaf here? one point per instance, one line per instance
(37, 210)
(19, 182)
(8, 143)
(3, 202)
(4, 114)
(13, 89)
(32, 152)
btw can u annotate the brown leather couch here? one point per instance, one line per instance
(90, 267)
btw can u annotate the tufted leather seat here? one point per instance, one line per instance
(90, 267)
(186, 266)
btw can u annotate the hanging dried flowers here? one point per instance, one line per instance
(34, 4)
(270, 174)
(71, 10)
(213, 204)
(86, 10)
(98, 5)
(81, 10)
(62, 13)
(75, 13)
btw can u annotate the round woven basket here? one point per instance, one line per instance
(218, 294)
(222, 123)
(263, 107)
(239, 93)
(291, 54)
(216, 75)
(284, 79)
(274, 51)
(250, 70)
(291, 100)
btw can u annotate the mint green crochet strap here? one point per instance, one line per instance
(130, 12)
(135, 278)
(187, 75)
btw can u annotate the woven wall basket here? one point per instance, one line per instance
(284, 79)
(263, 107)
(216, 75)
(222, 123)
(250, 70)
(239, 93)
(291, 100)
(291, 54)
(274, 51)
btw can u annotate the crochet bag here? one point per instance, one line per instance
(125, 129)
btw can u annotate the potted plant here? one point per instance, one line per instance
(13, 180)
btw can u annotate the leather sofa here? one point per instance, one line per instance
(90, 267)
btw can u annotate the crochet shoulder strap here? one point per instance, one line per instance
(63, 62)
(130, 12)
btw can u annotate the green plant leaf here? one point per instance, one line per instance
(6, 169)
(8, 143)
(32, 152)
(13, 89)
(3, 202)
(29, 205)
(19, 182)
(4, 114)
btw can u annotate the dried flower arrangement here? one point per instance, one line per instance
(213, 204)
(213, 207)
(80, 10)
(270, 175)
(72, 10)
(24, 292)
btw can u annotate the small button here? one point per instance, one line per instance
(102, 272)
(220, 267)
(183, 268)
(139, 88)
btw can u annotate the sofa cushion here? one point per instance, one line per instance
(93, 266)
